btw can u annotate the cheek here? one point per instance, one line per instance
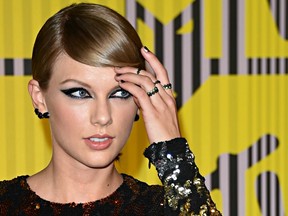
(63, 114)
(124, 115)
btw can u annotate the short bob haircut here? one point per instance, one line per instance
(89, 33)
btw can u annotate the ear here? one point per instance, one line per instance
(38, 99)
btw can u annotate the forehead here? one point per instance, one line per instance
(67, 68)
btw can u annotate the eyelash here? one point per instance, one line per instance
(127, 94)
(70, 93)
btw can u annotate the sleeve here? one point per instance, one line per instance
(185, 190)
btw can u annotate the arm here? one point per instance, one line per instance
(173, 159)
(185, 190)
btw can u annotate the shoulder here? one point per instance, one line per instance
(12, 186)
(12, 189)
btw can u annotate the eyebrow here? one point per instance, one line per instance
(85, 84)
(75, 81)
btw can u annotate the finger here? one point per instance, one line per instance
(158, 68)
(145, 83)
(156, 65)
(136, 71)
(141, 98)
(165, 94)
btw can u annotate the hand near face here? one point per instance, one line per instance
(156, 103)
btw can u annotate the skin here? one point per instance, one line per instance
(81, 170)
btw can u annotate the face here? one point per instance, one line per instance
(90, 115)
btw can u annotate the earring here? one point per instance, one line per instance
(41, 115)
(136, 117)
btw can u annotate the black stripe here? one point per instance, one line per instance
(259, 143)
(177, 60)
(27, 67)
(250, 156)
(268, 66)
(277, 66)
(268, 141)
(233, 48)
(215, 176)
(250, 66)
(159, 42)
(139, 11)
(196, 46)
(259, 182)
(8, 66)
(259, 192)
(259, 66)
(233, 186)
(215, 66)
(278, 15)
(278, 200)
(268, 192)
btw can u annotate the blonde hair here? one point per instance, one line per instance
(89, 33)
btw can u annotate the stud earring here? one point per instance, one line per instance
(41, 115)
(136, 117)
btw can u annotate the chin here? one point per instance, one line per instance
(101, 163)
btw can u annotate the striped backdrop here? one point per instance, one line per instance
(228, 63)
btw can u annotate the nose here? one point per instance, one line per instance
(101, 113)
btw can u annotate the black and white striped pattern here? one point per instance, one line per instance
(269, 194)
(15, 67)
(229, 177)
(183, 55)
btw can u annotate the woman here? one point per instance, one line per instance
(89, 79)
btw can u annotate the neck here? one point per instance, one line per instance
(65, 184)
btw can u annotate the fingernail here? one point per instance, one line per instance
(146, 49)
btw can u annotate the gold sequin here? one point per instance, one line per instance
(37, 206)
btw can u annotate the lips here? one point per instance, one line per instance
(99, 142)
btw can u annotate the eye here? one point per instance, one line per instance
(120, 93)
(78, 93)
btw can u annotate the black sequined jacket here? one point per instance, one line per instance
(183, 191)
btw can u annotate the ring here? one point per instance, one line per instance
(167, 86)
(156, 82)
(153, 91)
(138, 71)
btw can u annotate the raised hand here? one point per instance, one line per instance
(154, 96)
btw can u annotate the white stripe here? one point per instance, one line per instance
(2, 68)
(242, 62)
(205, 63)
(282, 17)
(224, 60)
(186, 58)
(242, 165)
(168, 50)
(225, 183)
(131, 12)
(18, 65)
(263, 197)
(273, 195)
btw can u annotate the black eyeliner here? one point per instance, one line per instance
(121, 89)
(70, 91)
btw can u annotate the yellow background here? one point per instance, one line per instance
(226, 115)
